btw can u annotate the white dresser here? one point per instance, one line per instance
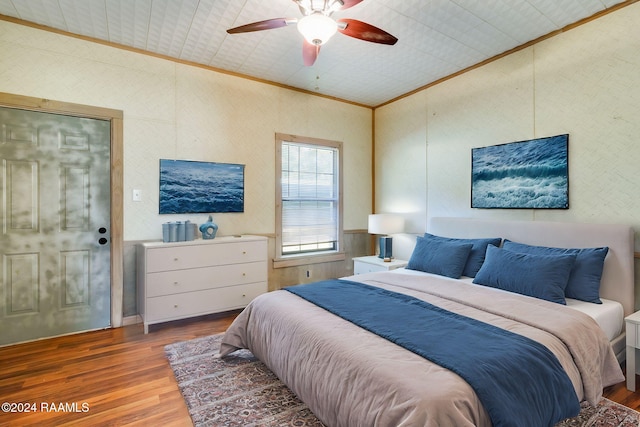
(186, 279)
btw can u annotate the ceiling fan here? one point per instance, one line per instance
(317, 26)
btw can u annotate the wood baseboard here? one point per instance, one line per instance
(131, 320)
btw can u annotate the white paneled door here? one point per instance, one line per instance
(55, 237)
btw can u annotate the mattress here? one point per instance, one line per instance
(609, 315)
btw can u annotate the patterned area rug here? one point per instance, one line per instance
(240, 391)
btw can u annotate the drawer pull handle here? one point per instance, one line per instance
(175, 283)
(175, 306)
(244, 252)
(175, 259)
(243, 295)
(244, 274)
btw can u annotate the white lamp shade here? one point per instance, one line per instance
(317, 28)
(385, 224)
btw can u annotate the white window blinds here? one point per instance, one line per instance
(310, 198)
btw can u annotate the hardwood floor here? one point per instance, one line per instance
(117, 377)
(121, 376)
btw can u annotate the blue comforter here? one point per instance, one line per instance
(519, 381)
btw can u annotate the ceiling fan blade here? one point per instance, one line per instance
(349, 3)
(269, 24)
(309, 53)
(363, 31)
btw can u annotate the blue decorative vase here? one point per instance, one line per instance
(209, 229)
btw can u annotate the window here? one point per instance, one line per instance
(309, 193)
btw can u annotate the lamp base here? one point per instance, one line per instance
(385, 244)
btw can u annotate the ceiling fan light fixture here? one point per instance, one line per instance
(317, 28)
(334, 6)
(326, 6)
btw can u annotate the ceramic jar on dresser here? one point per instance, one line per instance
(185, 279)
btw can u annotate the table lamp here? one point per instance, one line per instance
(385, 224)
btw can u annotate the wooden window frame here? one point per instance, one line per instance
(314, 257)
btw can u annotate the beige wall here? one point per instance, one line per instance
(177, 111)
(173, 110)
(584, 82)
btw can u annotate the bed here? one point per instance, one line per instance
(351, 375)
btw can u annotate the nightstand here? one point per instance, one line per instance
(369, 264)
(632, 323)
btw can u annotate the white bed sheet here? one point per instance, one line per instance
(609, 315)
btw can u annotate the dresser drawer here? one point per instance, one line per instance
(202, 255)
(177, 306)
(196, 279)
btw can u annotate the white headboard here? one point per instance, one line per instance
(618, 276)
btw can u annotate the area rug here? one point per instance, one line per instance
(241, 391)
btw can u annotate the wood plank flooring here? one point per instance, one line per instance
(120, 375)
(116, 377)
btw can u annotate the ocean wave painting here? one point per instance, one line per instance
(530, 174)
(200, 187)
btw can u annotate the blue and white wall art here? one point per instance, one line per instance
(531, 174)
(200, 187)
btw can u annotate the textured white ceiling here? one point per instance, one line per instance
(436, 37)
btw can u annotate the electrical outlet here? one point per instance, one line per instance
(137, 195)
(308, 273)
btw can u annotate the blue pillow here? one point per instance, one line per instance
(439, 257)
(476, 257)
(584, 281)
(540, 276)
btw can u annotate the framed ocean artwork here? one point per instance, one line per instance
(200, 187)
(532, 174)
